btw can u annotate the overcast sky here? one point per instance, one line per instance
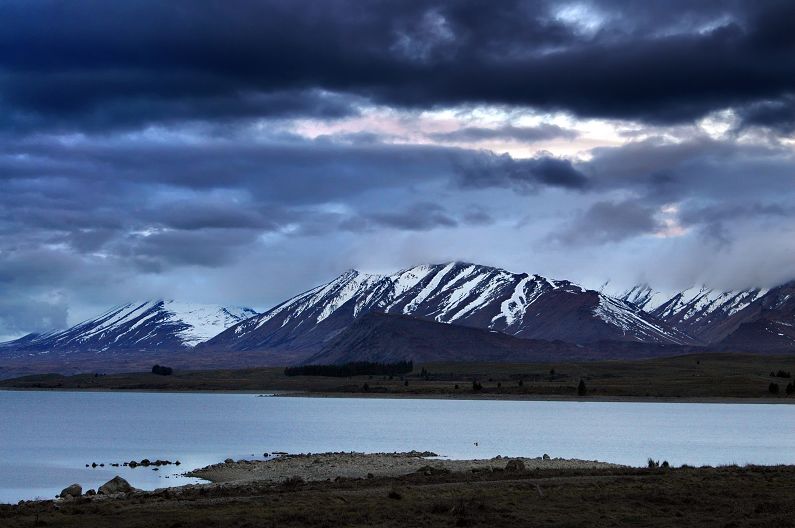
(242, 152)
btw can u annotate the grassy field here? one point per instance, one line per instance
(709, 497)
(695, 376)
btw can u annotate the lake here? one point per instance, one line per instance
(47, 438)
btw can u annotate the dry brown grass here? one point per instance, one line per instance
(695, 376)
(720, 497)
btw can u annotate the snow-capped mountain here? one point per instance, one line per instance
(768, 324)
(142, 326)
(705, 314)
(527, 306)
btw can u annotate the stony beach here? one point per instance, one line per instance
(330, 466)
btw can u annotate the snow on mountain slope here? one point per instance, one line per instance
(707, 314)
(643, 296)
(148, 325)
(459, 293)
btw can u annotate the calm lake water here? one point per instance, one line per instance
(47, 438)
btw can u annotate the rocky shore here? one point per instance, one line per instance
(504, 495)
(331, 466)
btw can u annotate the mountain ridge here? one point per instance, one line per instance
(517, 304)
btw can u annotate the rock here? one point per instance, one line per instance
(514, 465)
(546, 456)
(93, 464)
(90, 493)
(133, 463)
(75, 490)
(229, 461)
(145, 462)
(115, 485)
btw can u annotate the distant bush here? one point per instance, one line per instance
(476, 386)
(773, 388)
(581, 389)
(162, 371)
(358, 368)
(780, 374)
(790, 388)
(653, 463)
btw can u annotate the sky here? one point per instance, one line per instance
(242, 152)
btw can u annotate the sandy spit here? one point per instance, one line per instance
(324, 466)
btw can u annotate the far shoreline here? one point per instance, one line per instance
(431, 396)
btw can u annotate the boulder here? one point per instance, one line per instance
(546, 456)
(90, 493)
(75, 490)
(115, 485)
(515, 465)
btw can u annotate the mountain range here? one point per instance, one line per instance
(500, 314)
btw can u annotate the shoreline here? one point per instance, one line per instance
(499, 496)
(352, 465)
(434, 396)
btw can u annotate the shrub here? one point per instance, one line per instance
(581, 389)
(162, 371)
(476, 386)
(653, 463)
(790, 388)
(773, 388)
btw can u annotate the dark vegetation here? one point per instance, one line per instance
(649, 497)
(347, 370)
(702, 376)
(162, 371)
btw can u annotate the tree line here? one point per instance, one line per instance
(357, 368)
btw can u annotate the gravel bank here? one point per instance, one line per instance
(324, 466)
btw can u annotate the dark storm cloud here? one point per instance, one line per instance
(528, 134)
(98, 65)
(778, 115)
(524, 175)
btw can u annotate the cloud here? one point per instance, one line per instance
(610, 222)
(174, 159)
(516, 133)
(417, 217)
(776, 114)
(110, 69)
(524, 175)
(19, 315)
